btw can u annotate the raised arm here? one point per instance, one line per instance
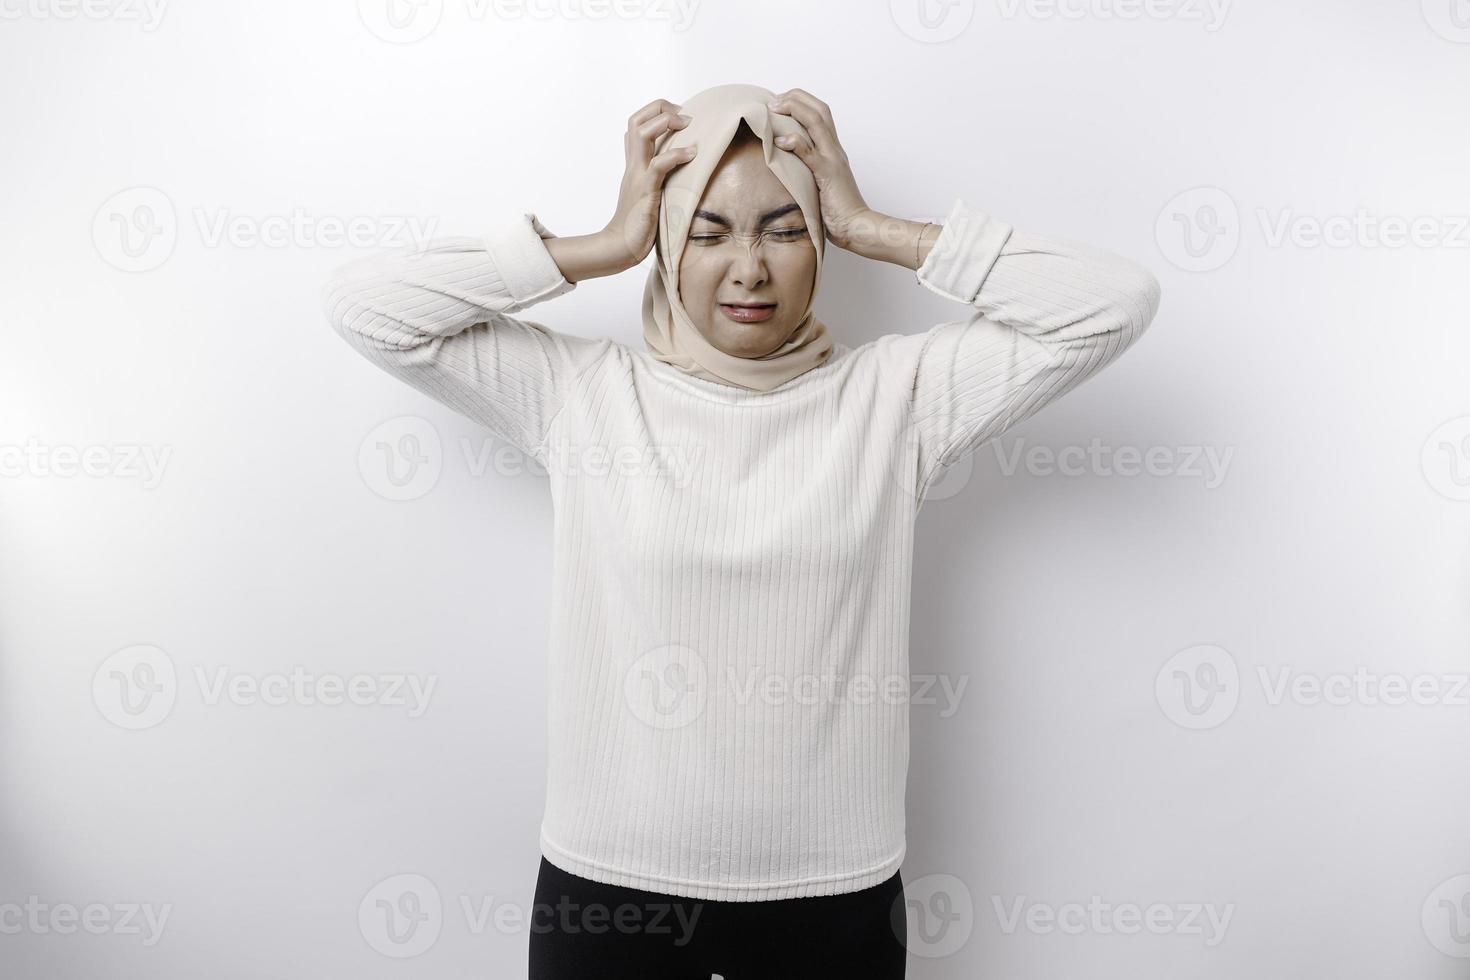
(440, 319)
(1049, 313)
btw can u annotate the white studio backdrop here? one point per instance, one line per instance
(1192, 640)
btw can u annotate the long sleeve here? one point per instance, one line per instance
(1049, 313)
(439, 319)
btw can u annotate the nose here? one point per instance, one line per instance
(749, 267)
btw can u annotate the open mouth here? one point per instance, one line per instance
(748, 312)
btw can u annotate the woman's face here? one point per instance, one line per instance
(748, 244)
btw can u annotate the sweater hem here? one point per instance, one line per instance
(716, 892)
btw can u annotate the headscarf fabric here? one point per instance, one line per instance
(715, 117)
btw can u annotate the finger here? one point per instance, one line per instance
(811, 100)
(668, 160)
(649, 111)
(798, 144)
(647, 134)
(660, 124)
(631, 140)
(813, 116)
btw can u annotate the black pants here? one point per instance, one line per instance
(588, 930)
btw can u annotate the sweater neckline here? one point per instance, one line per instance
(718, 391)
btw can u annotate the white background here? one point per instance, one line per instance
(1080, 609)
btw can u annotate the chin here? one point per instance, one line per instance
(749, 339)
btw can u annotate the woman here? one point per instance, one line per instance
(728, 665)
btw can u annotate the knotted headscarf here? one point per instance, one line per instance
(715, 116)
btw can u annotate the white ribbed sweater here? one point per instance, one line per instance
(728, 658)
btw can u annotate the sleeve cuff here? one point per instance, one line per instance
(520, 256)
(964, 253)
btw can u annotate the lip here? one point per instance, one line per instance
(748, 312)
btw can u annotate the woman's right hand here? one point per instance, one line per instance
(634, 227)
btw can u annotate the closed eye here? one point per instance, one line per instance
(782, 234)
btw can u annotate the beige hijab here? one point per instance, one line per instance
(715, 116)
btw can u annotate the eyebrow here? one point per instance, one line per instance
(766, 218)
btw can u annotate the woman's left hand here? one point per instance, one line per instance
(843, 207)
